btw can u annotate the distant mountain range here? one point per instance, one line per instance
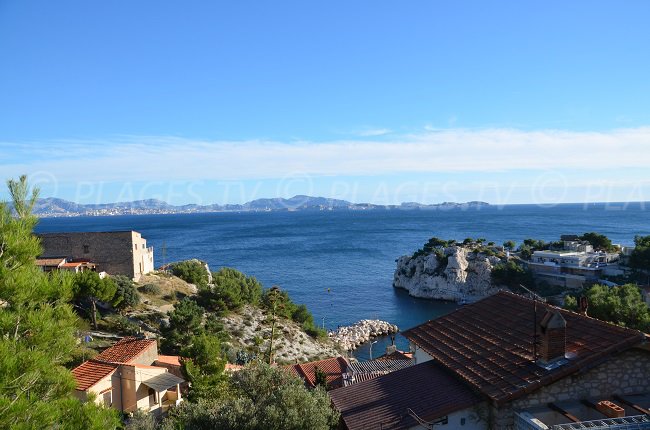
(58, 207)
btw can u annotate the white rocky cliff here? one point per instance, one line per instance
(460, 275)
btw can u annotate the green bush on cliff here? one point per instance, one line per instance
(230, 290)
(192, 271)
(512, 275)
(434, 244)
(126, 295)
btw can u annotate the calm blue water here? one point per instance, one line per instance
(340, 264)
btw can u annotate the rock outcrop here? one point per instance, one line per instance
(457, 273)
(350, 337)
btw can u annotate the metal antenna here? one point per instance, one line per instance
(535, 298)
(164, 255)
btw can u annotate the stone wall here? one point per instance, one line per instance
(626, 373)
(116, 253)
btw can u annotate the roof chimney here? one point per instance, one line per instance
(553, 336)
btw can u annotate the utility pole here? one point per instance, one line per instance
(164, 254)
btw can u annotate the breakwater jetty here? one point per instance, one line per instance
(350, 337)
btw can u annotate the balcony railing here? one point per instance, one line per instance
(625, 423)
(526, 421)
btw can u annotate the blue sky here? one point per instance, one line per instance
(368, 100)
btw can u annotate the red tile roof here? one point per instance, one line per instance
(125, 350)
(488, 344)
(173, 360)
(72, 264)
(333, 368)
(91, 372)
(49, 261)
(384, 402)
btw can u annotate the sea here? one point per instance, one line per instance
(340, 263)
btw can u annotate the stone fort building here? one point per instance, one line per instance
(114, 252)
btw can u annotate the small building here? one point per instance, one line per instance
(366, 370)
(334, 369)
(508, 362)
(115, 252)
(130, 376)
(571, 269)
(405, 399)
(48, 264)
(64, 263)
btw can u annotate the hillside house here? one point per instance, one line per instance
(115, 252)
(574, 265)
(507, 362)
(334, 368)
(63, 263)
(339, 371)
(130, 375)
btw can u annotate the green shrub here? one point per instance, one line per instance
(622, 305)
(150, 289)
(230, 291)
(126, 295)
(512, 275)
(192, 271)
(120, 324)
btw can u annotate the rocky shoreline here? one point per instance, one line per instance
(350, 337)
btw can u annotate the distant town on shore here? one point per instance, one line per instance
(55, 207)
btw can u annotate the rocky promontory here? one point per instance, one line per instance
(456, 273)
(350, 337)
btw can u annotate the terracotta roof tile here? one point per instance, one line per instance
(384, 402)
(91, 372)
(334, 368)
(489, 344)
(72, 264)
(50, 261)
(173, 360)
(125, 350)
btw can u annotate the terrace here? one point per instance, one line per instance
(619, 412)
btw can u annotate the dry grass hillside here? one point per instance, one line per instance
(250, 329)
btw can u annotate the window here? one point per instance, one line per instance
(86, 249)
(136, 246)
(462, 421)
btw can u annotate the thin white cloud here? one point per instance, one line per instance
(374, 132)
(148, 158)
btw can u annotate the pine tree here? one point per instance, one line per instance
(90, 286)
(37, 328)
